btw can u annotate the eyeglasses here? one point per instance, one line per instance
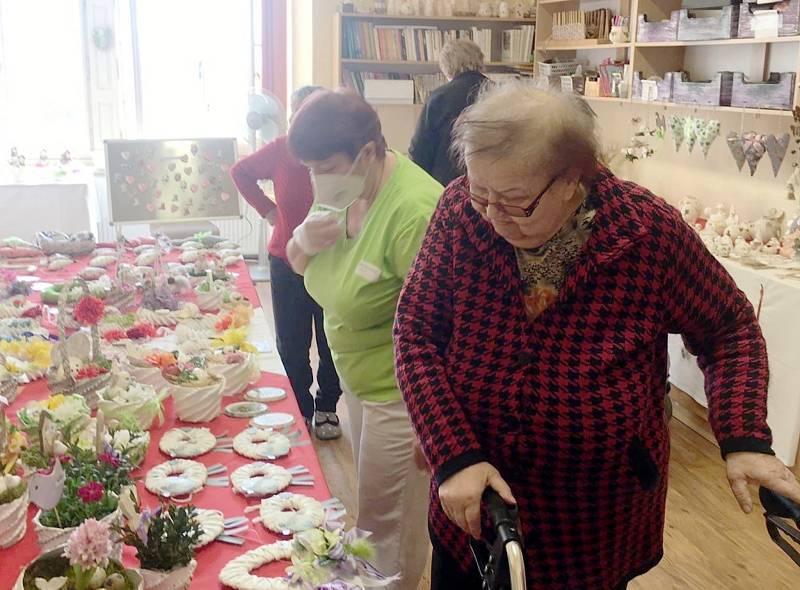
(512, 210)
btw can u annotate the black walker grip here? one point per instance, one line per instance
(777, 505)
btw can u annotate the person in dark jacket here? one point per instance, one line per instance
(461, 61)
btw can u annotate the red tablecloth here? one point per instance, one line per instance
(213, 557)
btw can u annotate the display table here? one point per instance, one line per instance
(28, 208)
(211, 558)
(779, 320)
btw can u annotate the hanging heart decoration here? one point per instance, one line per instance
(776, 150)
(708, 134)
(224, 196)
(754, 146)
(174, 208)
(690, 132)
(735, 146)
(676, 125)
(171, 166)
(194, 149)
(187, 171)
(661, 126)
(151, 207)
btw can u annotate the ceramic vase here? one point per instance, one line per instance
(13, 521)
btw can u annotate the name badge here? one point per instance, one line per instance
(367, 271)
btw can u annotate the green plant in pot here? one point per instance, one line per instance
(84, 563)
(165, 539)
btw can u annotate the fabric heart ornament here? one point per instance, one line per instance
(187, 171)
(708, 134)
(224, 196)
(735, 146)
(125, 155)
(142, 187)
(205, 183)
(184, 158)
(151, 207)
(676, 125)
(158, 193)
(194, 149)
(163, 207)
(754, 146)
(776, 150)
(178, 177)
(130, 179)
(194, 188)
(171, 166)
(224, 167)
(175, 208)
(690, 125)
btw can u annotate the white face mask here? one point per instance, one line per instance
(336, 192)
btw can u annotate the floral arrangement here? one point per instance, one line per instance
(12, 487)
(68, 412)
(164, 538)
(136, 332)
(126, 437)
(191, 371)
(91, 488)
(11, 448)
(159, 296)
(239, 317)
(85, 563)
(89, 310)
(131, 402)
(26, 359)
(331, 558)
(233, 339)
(228, 358)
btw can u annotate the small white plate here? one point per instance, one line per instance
(245, 409)
(276, 420)
(265, 394)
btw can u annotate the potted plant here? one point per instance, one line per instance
(196, 393)
(13, 488)
(85, 562)
(165, 539)
(92, 484)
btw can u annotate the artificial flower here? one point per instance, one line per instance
(140, 331)
(224, 322)
(89, 545)
(161, 359)
(91, 492)
(89, 310)
(55, 401)
(32, 312)
(114, 334)
(90, 372)
(235, 337)
(110, 458)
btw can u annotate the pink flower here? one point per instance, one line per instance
(140, 331)
(91, 492)
(90, 545)
(109, 458)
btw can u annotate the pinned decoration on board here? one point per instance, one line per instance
(676, 125)
(754, 146)
(737, 149)
(776, 150)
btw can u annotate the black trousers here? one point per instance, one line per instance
(446, 573)
(296, 315)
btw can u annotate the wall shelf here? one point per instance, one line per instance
(367, 62)
(434, 19)
(766, 41)
(690, 107)
(545, 46)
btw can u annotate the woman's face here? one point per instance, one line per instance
(338, 180)
(503, 191)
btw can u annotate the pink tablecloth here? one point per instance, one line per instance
(213, 557)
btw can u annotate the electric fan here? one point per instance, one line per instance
(266, 120)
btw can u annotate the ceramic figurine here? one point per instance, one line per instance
(769, 226)
(690, 209)
(519, 10)
(504, 10)
(733, 232)
(724, 246)
(741, 248)
(717, 218)
(772, 246)
(618, 35)
(756, 245)
(485, 9)
(732, 219)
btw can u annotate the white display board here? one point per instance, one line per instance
(171, 180)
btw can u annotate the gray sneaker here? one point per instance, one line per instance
(326, 425)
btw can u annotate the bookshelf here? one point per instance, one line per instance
(657, 58)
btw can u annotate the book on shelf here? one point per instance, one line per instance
(423, 84)
(518, 44)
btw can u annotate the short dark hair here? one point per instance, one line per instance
(333, 122)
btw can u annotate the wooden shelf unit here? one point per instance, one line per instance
(434, 19)
(652, 59)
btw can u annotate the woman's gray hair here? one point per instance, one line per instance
(459, 56)
(302, 93)
(547, 132)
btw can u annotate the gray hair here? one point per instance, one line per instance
(548, 131)
(302, 93)
(459, 56)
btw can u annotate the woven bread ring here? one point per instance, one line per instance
(291, 512)
(177, 477)
(236, 573)
(212, 523)
(185, 443)
(260, 479)
(261, 443)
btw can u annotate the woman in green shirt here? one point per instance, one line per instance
(371, 210)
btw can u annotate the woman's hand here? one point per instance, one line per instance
(461, 494)
(760, 469)
(419, 457)
(318, 232)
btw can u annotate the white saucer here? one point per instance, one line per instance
(276, 420)
(265, 394)
(245, 409)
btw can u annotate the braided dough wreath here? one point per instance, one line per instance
(177, 477)
(236, 573)
(186, 443)
(212, 522)
(260, 479)
(260, 443)
(291, 512)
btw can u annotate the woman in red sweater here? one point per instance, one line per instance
(295, 311)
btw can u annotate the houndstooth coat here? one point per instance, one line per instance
(570, 407)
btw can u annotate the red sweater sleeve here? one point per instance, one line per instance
(718, 324)
(257, 166)
(422, 329)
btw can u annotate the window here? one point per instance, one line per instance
(42, 78)
(195, 66)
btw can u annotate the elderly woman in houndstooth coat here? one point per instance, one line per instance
(531, 349)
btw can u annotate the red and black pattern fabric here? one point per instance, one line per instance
(570, 407)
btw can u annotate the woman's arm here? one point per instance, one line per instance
(425, 141)
(298, 259)
(248, 171)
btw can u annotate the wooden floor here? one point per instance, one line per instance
(709, 543)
